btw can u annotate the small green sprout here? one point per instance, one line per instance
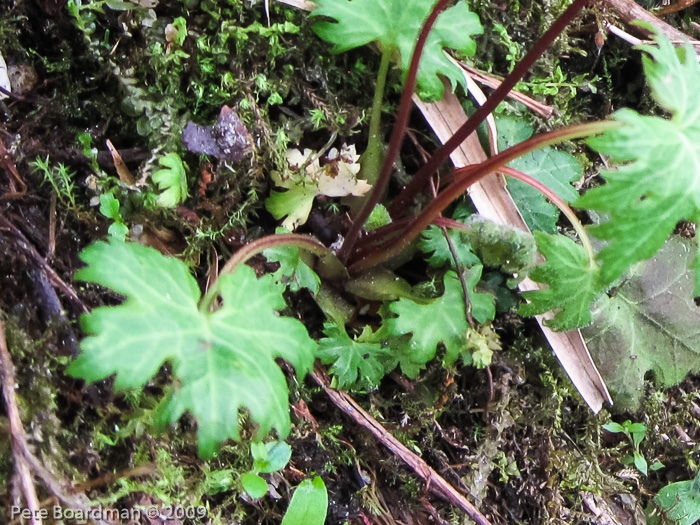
(635, 432)
(267, 458)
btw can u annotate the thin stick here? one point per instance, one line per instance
(7, 372)
(629, 11)
(54, 278)
(72, 501)
(434, 481)
(541, 109)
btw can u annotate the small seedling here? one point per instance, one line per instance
(267, 458)
(109, 207)
(635, 432)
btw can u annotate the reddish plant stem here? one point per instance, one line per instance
(465, 177)
(420, 179)
(559, 203)
(258, 246)
(382, 235)
(396, 137)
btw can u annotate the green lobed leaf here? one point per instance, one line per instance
(443, 320)
(118, 230)
(433, 242)
(556, 169)
(396, 25)
(293, 272)
(109, 207)
(309, 504)
(650, 323)
(573, 283)
(222, 361)
(171, 180)
(399, 351)
(355, 362)
(294, 205)
(660, 183)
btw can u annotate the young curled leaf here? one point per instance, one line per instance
(172, 180)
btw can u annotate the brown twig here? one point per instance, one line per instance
(434, 481)
(54, 278)
(7, 372)
(109, 478)
(65, 496)
(27, 462)
(543, 110)
(13, 175)
(629, 11)
(674, 7)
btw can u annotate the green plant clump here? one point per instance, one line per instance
(223, 348)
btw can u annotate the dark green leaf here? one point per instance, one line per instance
(556, 169)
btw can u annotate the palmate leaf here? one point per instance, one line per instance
(355, 362)
(660, 183)
(443, 320)
(396, 24)
(573, 283)
(649, 323)
(222, 361)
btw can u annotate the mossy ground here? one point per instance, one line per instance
(524, 445)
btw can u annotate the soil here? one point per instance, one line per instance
(516, 439)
